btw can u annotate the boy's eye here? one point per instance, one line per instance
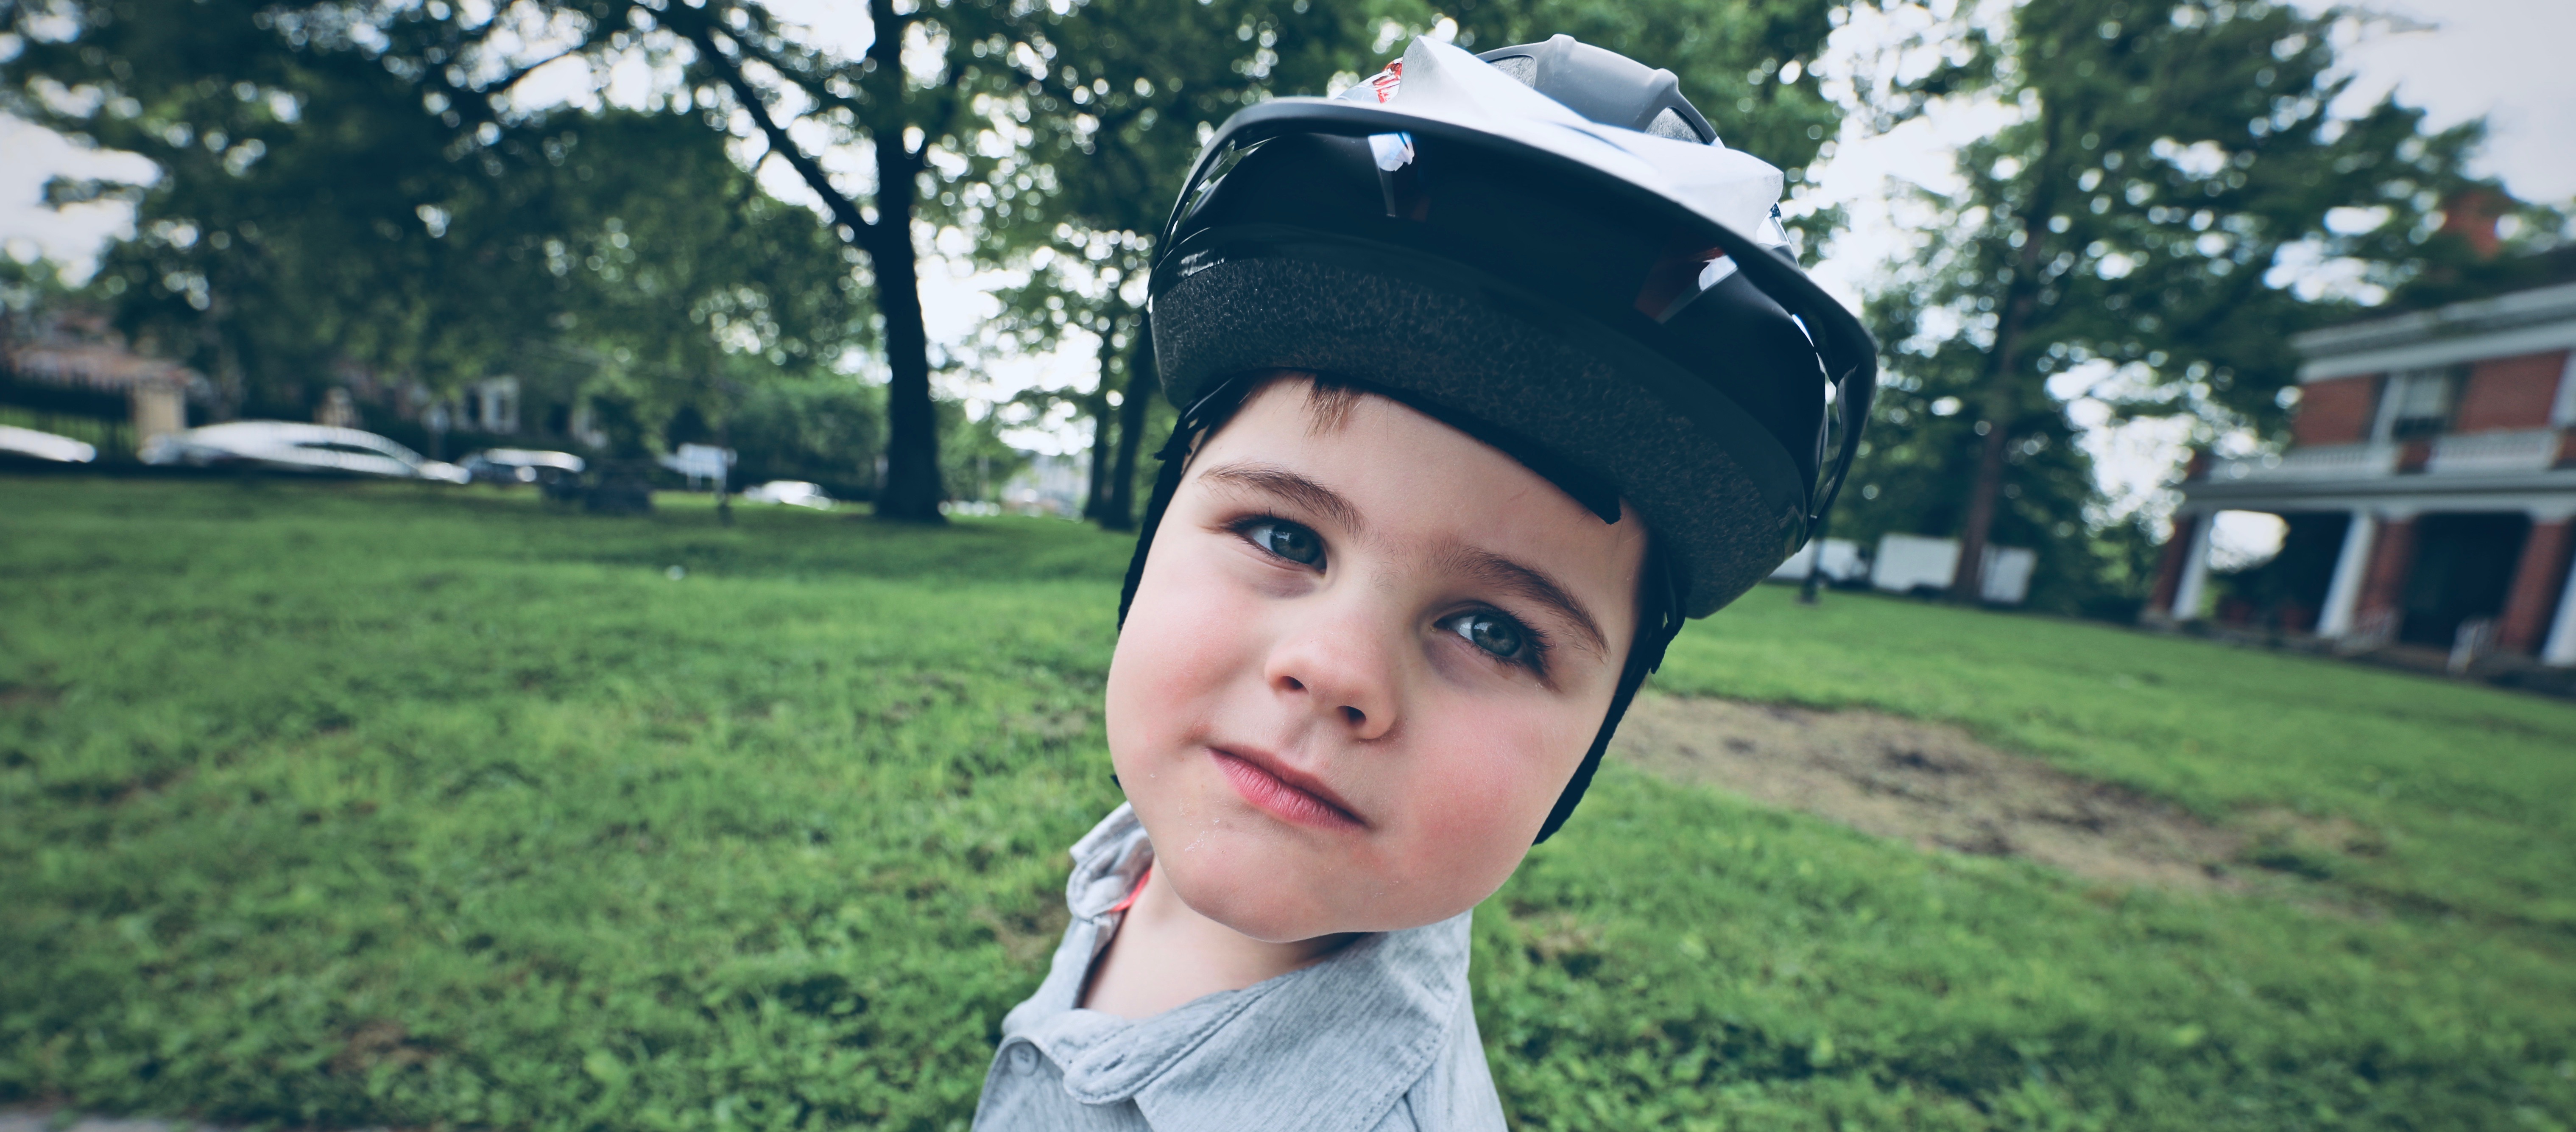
(1287, 540)
(1492, 632)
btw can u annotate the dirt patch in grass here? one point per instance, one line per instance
(1927, 783)
(29, 696)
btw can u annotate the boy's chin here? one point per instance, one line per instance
(1277, 898)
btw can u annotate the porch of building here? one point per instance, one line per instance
(2474, 575)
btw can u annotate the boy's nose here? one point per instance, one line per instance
(1339, 671)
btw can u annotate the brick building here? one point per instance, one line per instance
(69, 367)
(2428, 489)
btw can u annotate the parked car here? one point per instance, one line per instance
(290, 446)
(523, 465)
(794, 493)
(29, 445)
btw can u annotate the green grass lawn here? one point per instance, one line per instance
(342, 804)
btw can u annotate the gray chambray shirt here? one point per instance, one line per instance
(1379, 1037)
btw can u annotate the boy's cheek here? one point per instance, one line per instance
(1178, 643)
(1477, 807)
(1183, 642)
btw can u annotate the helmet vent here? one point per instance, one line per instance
(1670, 124)
(1524, 70)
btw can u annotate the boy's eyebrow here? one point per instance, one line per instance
(1530, 584)
(1295, 488)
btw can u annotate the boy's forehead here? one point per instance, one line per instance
(1324, 406)
(1373, 447)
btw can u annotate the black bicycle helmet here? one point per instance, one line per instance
(1589, 281)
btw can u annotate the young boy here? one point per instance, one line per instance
(1489, 377)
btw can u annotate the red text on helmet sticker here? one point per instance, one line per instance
(1385, 82)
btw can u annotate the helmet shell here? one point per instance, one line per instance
(1550, 302)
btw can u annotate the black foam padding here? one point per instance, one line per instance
(1466, 355)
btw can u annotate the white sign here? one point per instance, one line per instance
(2006, 578)
(700, 462)
(1907, 563)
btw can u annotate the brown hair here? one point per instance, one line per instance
(1329, 400)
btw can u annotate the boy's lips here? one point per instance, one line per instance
(1282, 791)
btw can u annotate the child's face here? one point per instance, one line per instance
(1366, 657)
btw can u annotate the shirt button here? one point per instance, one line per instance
(1024, 1058)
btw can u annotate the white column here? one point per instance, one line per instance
(2562, 411)
(2195, 570)
(2561, 647)
(2343, 595)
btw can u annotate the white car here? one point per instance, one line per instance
(523, 465)
(794, 493)
(29, 444)
(290, 446)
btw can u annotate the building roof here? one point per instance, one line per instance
(102, 366)
(2524, 321)
(2483, 279)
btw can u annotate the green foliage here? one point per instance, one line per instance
(331, 199)
(974, 462)
(337, 804)
(2136, 237)
(823, 430)
(690, 287)
(1116, 116)
(2176, 149)
(26, 288)
(1922, 448)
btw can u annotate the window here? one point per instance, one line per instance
(2417, 403)
(493, 406)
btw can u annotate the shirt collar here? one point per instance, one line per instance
(1329, 1046)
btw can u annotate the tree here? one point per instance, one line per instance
(898, 108)
(900, 101)
(1117, 95)
(695, 289)
(1922, 444)
(333, 201)
(947, 93)
(2172, 161)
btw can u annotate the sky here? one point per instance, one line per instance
(2460, 59)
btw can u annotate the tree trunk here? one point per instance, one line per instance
(912, 489)
(1095, 497)
(724, 479)
(2000, 407)
(1143, 385)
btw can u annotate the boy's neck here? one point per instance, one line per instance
(1166, 954)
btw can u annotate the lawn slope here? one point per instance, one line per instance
(339, 804)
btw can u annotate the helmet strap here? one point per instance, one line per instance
(1199, 420)
(1659, 620)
